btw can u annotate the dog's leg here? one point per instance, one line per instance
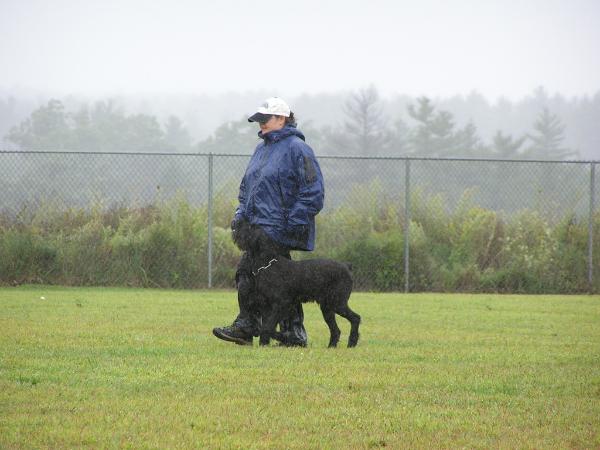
(269, 324)
(334, 330)
(354, 320)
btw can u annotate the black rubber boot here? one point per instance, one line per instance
(292, 329)
(233, 333)
(247, 323)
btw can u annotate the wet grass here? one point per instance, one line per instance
(135, 368)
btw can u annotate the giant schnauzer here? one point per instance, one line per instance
(280, 284)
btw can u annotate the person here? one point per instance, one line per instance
(281, 192)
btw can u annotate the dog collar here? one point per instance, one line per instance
(264, 267)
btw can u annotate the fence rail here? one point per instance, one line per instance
(468, 214)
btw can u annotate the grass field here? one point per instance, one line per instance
(140, 369)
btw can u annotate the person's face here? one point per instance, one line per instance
(274, 123)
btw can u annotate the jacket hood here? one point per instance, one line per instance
(278, 135)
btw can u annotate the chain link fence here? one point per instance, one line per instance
(413, 224)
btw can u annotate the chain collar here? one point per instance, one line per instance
(263, 267)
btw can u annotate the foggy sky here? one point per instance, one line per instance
(435, 48)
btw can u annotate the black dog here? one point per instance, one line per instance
(281, 283)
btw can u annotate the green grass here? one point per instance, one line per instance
(140, 368)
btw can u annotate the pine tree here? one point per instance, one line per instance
(365, 127)
(506, 147)
(546, 142)
(435, 134)
(177, 138)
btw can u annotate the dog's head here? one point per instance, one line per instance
(250, 238)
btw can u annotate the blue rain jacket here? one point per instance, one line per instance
(282, 189)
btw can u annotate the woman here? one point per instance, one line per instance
(282, 191)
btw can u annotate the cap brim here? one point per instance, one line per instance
(259, 117)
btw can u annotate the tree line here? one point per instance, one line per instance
(366, 128)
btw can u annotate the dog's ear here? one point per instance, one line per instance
(239, 233)
(254, 236)
(236, 237)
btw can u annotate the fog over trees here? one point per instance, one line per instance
(359, 123)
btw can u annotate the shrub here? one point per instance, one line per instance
(166, 245)
(25, 257)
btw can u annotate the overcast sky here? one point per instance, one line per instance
(432, 48)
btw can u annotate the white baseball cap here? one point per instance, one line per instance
(273, 106)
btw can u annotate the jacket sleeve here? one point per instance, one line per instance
(311, 189)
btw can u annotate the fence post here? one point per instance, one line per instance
(210, 217)
(406, 225)
(591, 227)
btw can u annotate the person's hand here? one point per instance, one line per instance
(236, 222)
